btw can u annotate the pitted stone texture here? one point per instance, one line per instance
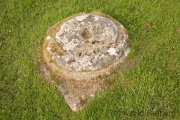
(85, 46)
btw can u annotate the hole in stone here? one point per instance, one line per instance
(86, 34)
(80, 54)
(93, 42)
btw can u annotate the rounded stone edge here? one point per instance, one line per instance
(72, 75)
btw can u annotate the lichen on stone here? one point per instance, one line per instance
(80, 36)
(85, 43)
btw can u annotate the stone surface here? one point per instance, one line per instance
(79, 49)
(85, 46)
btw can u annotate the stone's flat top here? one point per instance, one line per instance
(89, 42)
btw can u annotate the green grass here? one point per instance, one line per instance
(149, 90)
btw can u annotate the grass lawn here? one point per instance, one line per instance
(149, 90)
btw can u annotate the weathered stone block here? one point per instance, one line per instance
(79, 49)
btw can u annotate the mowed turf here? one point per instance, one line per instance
(147, 90)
